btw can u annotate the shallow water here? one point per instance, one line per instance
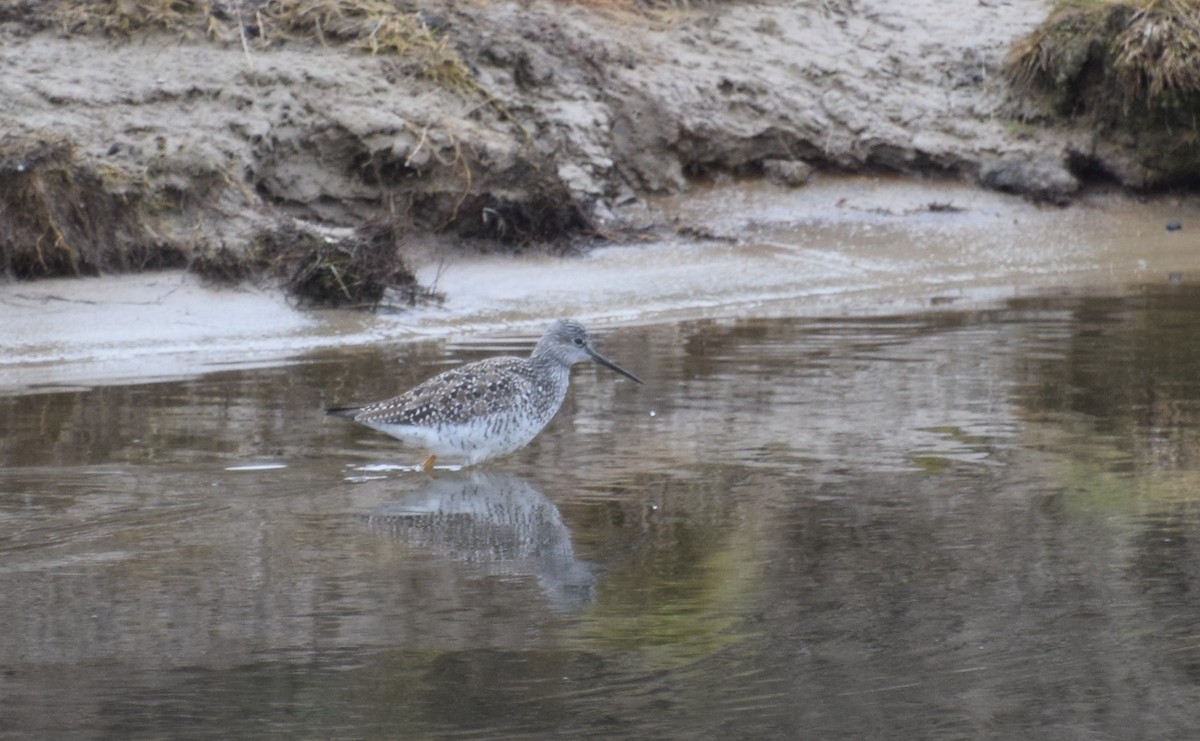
(954, 524)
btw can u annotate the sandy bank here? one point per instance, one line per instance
(841, 247)
(578, 117)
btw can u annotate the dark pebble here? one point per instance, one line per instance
(1174, 226)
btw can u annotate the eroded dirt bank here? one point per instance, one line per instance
(576, 116)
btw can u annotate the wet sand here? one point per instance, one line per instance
(843, 246)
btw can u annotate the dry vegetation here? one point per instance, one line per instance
(375, 26)
(1115, 59)
(362, 270)
(1127, 65)
(60, 217)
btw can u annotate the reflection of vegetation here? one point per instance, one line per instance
(1124, 399)
(1103, 491)
(688, 595)
(955, 444)
(931, 463)
(1098, 477)
(1113, 429)
(1116, 421)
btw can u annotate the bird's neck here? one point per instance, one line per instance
(546, 361)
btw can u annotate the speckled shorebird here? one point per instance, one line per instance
(488, 408)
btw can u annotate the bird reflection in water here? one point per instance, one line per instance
(499, 522)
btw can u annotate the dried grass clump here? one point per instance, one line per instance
(1114, 59)
(375, 26)
(125, 18)
(359, 271)
(59, 217)
(1158, 53)
(30, 14)
(543, 212)
(1053, 56)
(1131, 66)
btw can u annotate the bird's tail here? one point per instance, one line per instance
(348, 412)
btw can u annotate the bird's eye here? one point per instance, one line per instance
(578, 342)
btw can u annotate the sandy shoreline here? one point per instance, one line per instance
(842, 247)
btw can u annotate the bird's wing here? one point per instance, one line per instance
(454, 396)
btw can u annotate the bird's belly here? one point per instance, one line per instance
(476, 440)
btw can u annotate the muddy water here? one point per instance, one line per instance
(928, 525)
(911, 461)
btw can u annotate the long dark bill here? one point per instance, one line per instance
(611, 365)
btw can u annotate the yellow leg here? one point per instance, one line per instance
(428, 464)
